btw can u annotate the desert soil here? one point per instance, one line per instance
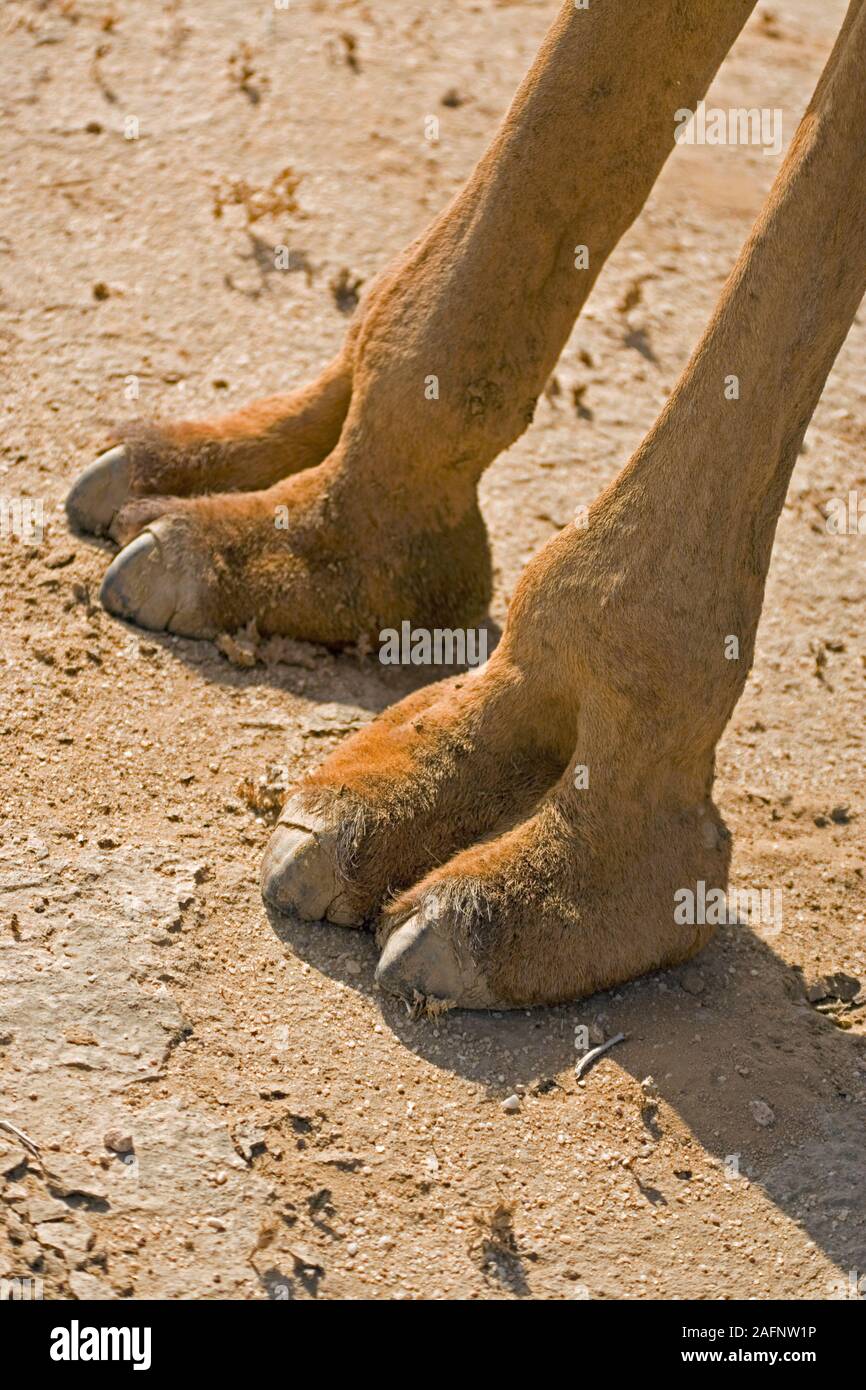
(220, 1109)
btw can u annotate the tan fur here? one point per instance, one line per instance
(251, 449)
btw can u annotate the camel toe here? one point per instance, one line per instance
(418, 960)
(100, 491)
(299, 875)
(138, 587)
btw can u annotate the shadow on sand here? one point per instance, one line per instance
(749, 1034)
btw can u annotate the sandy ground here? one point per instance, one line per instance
(221, 1110)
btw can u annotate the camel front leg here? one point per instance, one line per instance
(646, 629)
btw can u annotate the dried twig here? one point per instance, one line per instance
(426, 1006)
(19, 1134)
(587, 1060)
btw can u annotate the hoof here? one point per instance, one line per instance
(100, 492)
(138, 587)
(299, 873)
(419, 962)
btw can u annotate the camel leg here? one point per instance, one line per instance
(455, 344)
(627, 647)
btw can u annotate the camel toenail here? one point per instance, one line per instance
(138, 587)
(100, 492)
(299, 875)
(418, 960)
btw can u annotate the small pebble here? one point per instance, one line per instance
(838, 986)
(761, 1113)
(58, 559)
(118, 1142)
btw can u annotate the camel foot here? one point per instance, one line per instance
(523, 835)
(302, 559)
(538, 917)
(452, 763)
(249, 450)
(514, 891)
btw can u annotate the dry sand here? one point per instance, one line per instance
(293, 1133)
